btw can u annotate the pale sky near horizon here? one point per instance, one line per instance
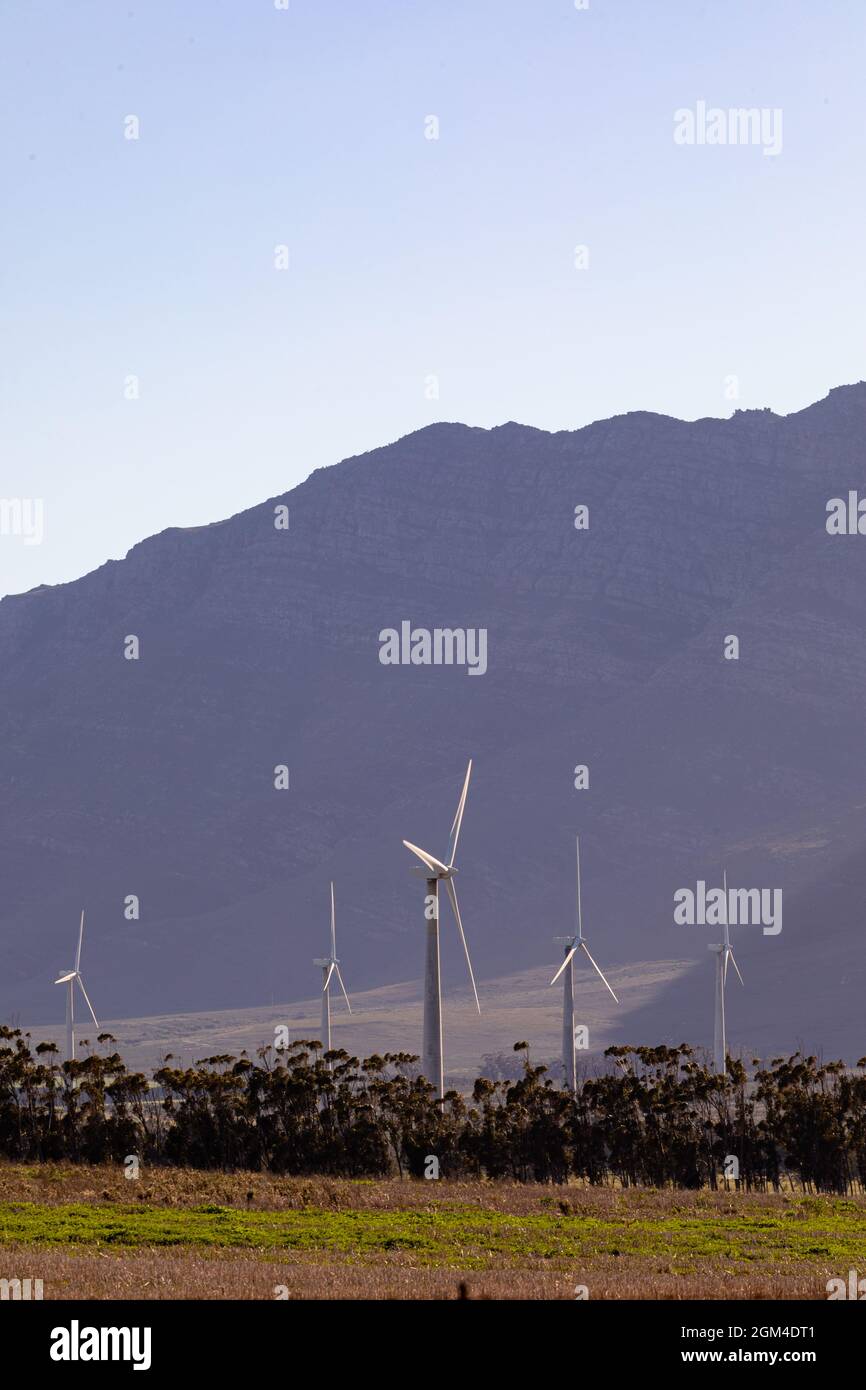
(408, 257)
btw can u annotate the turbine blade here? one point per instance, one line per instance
(86, 1000)
(725, 955)
(452, 893)
(584, 947)
(80, 936)
(328, 976)
(343, 987)
(333, 923)
(458, 818)
(564, 964)
(725, 882)
(579, 917)
(737, 968)
(437, 868)
(70, 975)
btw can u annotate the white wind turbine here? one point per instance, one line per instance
(434, 871)
(330, 966)
(573, 944)
(724, 953)
(69, 979)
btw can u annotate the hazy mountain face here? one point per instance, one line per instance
(260, 645)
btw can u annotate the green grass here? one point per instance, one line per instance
(808, 1233)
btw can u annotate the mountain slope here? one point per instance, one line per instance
(260, 647)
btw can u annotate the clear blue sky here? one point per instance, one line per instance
(407, 256)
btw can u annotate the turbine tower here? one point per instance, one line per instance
(573, 944)
(69, 979)
(724, 953)
(330, 966)
(434, 871)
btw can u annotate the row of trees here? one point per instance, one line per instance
(653, 1116)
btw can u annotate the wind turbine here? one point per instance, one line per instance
(434, 871)
(724, 953)
(69, 979)
(330, 965)
(573, 944)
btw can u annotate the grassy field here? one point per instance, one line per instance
(91, 1233)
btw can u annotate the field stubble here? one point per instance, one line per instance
(88, 1232)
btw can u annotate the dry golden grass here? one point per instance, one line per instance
(66, 1182)
(244, 1275)
(668, 1261)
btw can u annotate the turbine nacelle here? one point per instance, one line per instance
(725, 952)
(430, 866)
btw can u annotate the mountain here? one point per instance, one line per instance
(260, 647)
